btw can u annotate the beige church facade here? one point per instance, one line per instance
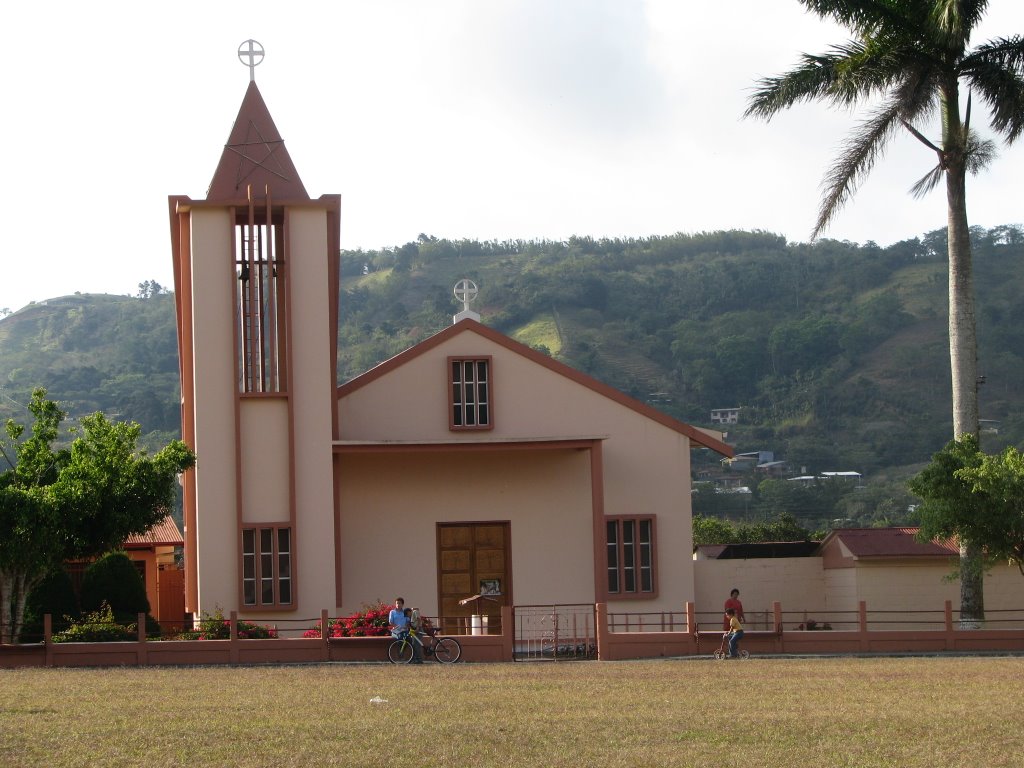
(469, 465)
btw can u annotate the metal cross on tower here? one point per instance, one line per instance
(251, 54)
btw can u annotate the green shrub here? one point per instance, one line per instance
(213, 626)
(97, 626)
(114, 580)
(54, 595)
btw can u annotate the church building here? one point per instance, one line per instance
(467, 465)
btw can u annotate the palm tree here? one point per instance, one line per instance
(909, 60)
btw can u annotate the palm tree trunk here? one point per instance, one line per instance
(963, 358)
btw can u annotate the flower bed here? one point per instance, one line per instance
(371, 621)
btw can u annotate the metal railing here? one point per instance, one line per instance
(654, 621)
(552, 632)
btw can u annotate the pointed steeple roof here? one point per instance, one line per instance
(255, 154)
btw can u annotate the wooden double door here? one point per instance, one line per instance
(473, 561)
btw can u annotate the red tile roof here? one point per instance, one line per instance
(890, 542)
(163, 534)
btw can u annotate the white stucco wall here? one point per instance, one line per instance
(391, 505)
(311, 392)
(215, 386)
(265, 474)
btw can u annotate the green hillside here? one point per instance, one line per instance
(835, 352)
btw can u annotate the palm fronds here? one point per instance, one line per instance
(996, 71)
(928, 182)
(914, 53)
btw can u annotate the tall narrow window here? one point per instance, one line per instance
(470, 393)
(260, 313)
(266, 566)
(630, 554)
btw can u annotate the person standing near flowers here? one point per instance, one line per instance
(399, 624)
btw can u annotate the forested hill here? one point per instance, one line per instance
(836, 352)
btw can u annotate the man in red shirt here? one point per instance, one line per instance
(734, 603)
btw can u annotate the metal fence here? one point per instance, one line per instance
(659, 621)
(553, 632)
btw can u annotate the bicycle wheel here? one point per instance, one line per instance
(400, 652)
(447, 650)
(744, 654)
(719, 655)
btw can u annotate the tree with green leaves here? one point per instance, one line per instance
(973, 497)
(59, 504)
(1000, 529)
(909, 60)
(713, 530)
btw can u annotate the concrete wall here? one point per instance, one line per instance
(809, 592)
(793, 581)
(910, 585)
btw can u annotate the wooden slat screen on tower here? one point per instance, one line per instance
(260, 311)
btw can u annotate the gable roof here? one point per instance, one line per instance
(163, 534)
(255, 154)
(889, 542)
(469, 325)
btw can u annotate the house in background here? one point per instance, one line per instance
(886, 568)
(723, 416)
(154, 555)
(467, 464)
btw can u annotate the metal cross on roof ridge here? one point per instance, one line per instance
(465, 291)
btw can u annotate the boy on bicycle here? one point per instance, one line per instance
(735, 632)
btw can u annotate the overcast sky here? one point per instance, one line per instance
(489, 119)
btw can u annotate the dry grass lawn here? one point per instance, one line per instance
(765, 712)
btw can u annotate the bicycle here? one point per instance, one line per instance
(723, 650)
(445, 650)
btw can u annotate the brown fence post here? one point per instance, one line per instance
(508, 633)
(48, 639)
(603, 637)
(233, 638)
(777, 624)
(325, 643)
(862, 625)
(691, 625)
(140, 633)
(950, 637)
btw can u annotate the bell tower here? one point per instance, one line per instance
(256, 287)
